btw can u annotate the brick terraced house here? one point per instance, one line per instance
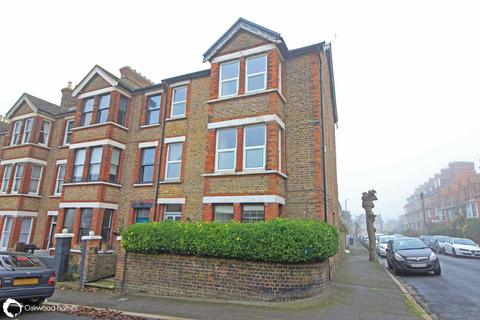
(241, 141)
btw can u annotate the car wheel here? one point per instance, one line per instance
(437, 271)
(453, 252)
(389, 264)
(395, 269)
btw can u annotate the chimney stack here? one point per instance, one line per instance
(67, 100)
(133, 78)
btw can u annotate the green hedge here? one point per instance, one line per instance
(280, 240)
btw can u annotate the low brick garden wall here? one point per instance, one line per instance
(174, 275)
(100, 265)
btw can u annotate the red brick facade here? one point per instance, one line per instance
(148, 162)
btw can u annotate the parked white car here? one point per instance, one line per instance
(382, 245)
(462, 247)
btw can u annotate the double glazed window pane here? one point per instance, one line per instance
(69, 220)
(44, 133)
(229, 78)
(256, 73)
(114, 163)
(16, 133)
(25, 230)
(255, 147)
(106, 225)
(103, 107)
(68, 132)
(35, 179)
(78, 165)
(7, 173)
(27, 131)
(253, 213)
(174, 161)
(60, 178)
(179, 102)
(95, 162)
(87, 112)
(18, 177)
(122, 110)
(173, 212)
(85, 222)
(226, 145)
(223, 213)
(146, 169)
(153, 112)
(142, 215)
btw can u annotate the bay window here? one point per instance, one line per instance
(95, 163)
(7, 173)
(223, 213)
(254, 147)
(44, 132)
(17, 180)
(174, 161)
(153, 109)
(226, 149)
(146, 165)
(78, 165)
(103, 108)
(87, 112)
(27, 131)
(256, 73)
(229, 78)
(179, 102)
(35, 179)
(17, 127)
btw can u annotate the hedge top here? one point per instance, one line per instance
(280, 240)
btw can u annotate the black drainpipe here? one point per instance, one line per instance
(324, 170)
(162, 138)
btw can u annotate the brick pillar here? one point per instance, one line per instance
(120, 267)
(271, 211)
(237, 212)
(62, 253)
(90, 247)
(208, 212)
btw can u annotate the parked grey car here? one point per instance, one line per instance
(25, 278)
(411, 255)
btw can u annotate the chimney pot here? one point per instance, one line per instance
(69, 85)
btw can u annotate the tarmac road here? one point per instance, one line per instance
(453, 295)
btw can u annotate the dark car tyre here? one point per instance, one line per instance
(395, 269)
(453, 252)
(437, 271)
(389, 264)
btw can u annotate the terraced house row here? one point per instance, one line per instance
(249, 139)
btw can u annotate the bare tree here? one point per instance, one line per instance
(367, 204)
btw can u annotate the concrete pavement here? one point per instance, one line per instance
(361, 290)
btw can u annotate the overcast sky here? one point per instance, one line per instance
(407, 74)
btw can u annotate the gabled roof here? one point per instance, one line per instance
(248, 26)
(37, 105)
(106, 75)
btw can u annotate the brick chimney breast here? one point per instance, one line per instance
(133, 78)
(67, 100)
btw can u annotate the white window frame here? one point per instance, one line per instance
(168, 162)
(5, 180)
(39, 179)
(256, 74)
(218, 151)
(279, 150)
(26, 132)
(245, 148)
(220, 81)
(178, 102)
(15, 178)
(16, 125)
(29, 230)
(79, 165)
(57, 180)
(9, 232)
(172, 213)
(45, 133)
(280, 76)
(67, 132)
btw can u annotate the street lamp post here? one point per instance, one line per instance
(423, 211)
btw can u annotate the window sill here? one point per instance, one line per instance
(242, 173)
(56, 196)
(176, 118)
(20, 195)
(172, 181)
(145, 126)
(99, 125)
(249, 94)
(148, 184)
(93, 183)
(26, 145)
(65, 146)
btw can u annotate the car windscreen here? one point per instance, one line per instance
(465, 241)
(20, 261)
(408, 244)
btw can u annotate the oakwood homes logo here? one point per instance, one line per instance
(12, 308)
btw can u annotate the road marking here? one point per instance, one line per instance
(127, 313)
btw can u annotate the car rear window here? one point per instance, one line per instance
(21, 261)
